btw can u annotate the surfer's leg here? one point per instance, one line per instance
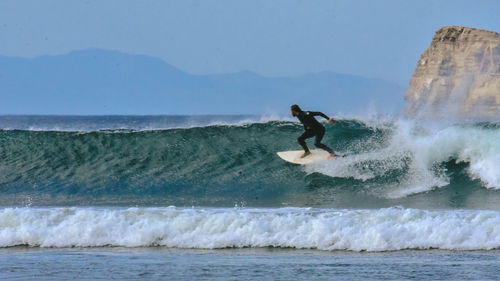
(302, 139)
(317, 141)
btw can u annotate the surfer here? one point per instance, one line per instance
(313, 128)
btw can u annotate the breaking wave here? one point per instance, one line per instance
(324, 229)
(224, 165)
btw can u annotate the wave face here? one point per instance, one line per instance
(390, 163)
(358, 230)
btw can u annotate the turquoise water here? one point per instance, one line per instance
(183, 197)
(392, 163)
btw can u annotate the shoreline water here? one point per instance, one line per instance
(244, 264)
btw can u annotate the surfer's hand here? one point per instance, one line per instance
(331, 120)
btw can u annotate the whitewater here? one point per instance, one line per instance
(211, 228)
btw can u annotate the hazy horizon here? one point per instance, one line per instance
(382, 39)
(218, 57)
(104, 82)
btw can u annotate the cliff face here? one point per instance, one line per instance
(458, 76)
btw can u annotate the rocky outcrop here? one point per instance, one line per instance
(458, 76)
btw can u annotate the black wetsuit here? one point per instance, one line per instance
(313, 128)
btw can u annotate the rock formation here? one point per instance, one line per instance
(458, 76)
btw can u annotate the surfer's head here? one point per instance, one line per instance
(295, 110)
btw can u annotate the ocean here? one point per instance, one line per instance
(206, 197)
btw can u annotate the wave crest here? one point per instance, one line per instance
(214, 164)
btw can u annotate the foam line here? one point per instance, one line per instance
(325, 229)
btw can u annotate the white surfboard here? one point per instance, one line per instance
(294, 156)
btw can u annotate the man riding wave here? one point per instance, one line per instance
(313, 128)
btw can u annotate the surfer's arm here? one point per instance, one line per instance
(317, 113)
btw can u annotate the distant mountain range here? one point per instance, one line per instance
(95, 81)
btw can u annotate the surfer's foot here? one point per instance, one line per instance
(331, 155)
(305, 154)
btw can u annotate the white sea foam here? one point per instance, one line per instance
(420, 150)
(324, 229)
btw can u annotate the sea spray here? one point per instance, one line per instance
(419, 151)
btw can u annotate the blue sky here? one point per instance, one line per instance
(381, 39)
